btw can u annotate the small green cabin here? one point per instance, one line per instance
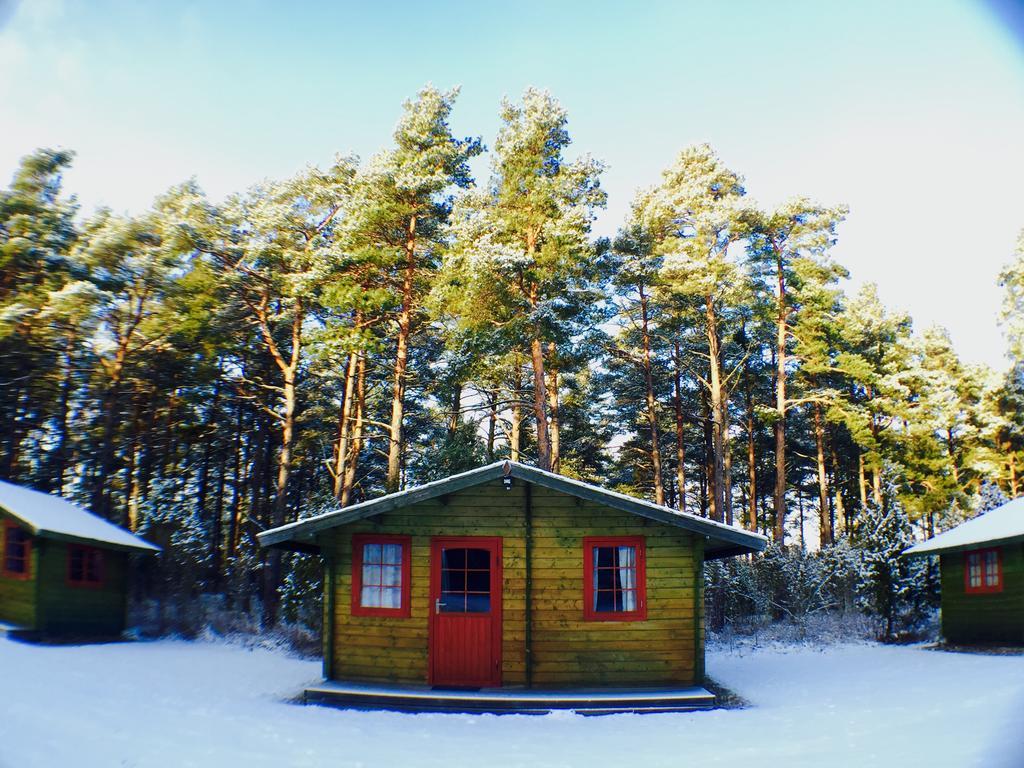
(64, 571)
(981, 564)
(509, 577)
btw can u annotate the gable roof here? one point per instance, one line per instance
(51, 517)
(1002, 525)
(719, 540)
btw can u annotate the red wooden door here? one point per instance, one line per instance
(465, 611)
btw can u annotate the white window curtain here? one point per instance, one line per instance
(991, 569)
(382, 576)
(627, 577)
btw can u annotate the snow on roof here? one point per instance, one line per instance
(721, 540)
(1002, 524)
(53, 517)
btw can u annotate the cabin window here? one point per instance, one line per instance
(17, 551)
(380, 575)
(615, 579)
(983, 571)
(85, 566)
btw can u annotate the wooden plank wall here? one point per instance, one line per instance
(80, 611)
(994, 617)
(567, 651)
(18, 596)
(390, 649)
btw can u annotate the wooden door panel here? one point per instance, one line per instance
(465, 617)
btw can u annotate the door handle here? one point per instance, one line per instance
(437, 605)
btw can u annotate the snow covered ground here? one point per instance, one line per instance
(176, 703)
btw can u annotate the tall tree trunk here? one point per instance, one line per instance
(393, 480)
(708, 497)
(652, 406)
(780, 404)
(60, 450)
(217, 534)
(824, 513)
(455, 413)
(718, 406)
(951, 447)
(751, 467)
(204, 467)
(680, 442)
(837, 487)
(876, 483)
(726, 468)
(553, 422)
(344, 424)
(515, 437)
(492, 423)
(352, 465)
(540, 395)
(1014, 489)
(242, 452)
(133, 470)
(862, 481)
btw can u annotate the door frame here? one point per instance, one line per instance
(493, 543)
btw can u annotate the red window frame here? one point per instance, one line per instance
(26, 552)
(404, 609)
(984, 587)
(589, 544)
(82, 581)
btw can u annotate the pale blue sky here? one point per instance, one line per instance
(912, 113)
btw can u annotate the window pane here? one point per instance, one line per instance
(478, 558)
(604, 557)
(453, 603)
(453, 581)
(371, 553)
(392, 576)
(392, 554)
(478, 581)
(604, 601)
(371, 574)
(453, 558)
(370, 597)
(991, 569)
(478, 603)
(627, 556)
(391, 598)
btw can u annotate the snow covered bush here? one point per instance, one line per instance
(893, 588)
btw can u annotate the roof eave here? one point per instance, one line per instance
(144, 547)
(917, 551)
(301, 535)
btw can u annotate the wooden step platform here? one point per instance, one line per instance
(507, 700)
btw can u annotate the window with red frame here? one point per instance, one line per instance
(614, 578)
(380, 575)
(983, 571)
(17, 555)
(85, 566)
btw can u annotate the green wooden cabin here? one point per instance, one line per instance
(64, 571)
(511, 577)
(981, 563)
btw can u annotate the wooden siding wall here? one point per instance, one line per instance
(18, 596)
(986, 617)
(570, 651)
(80, 611)
(566, 651)
(395, 649)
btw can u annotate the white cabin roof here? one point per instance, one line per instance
(53, 517)
(1002, 525)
